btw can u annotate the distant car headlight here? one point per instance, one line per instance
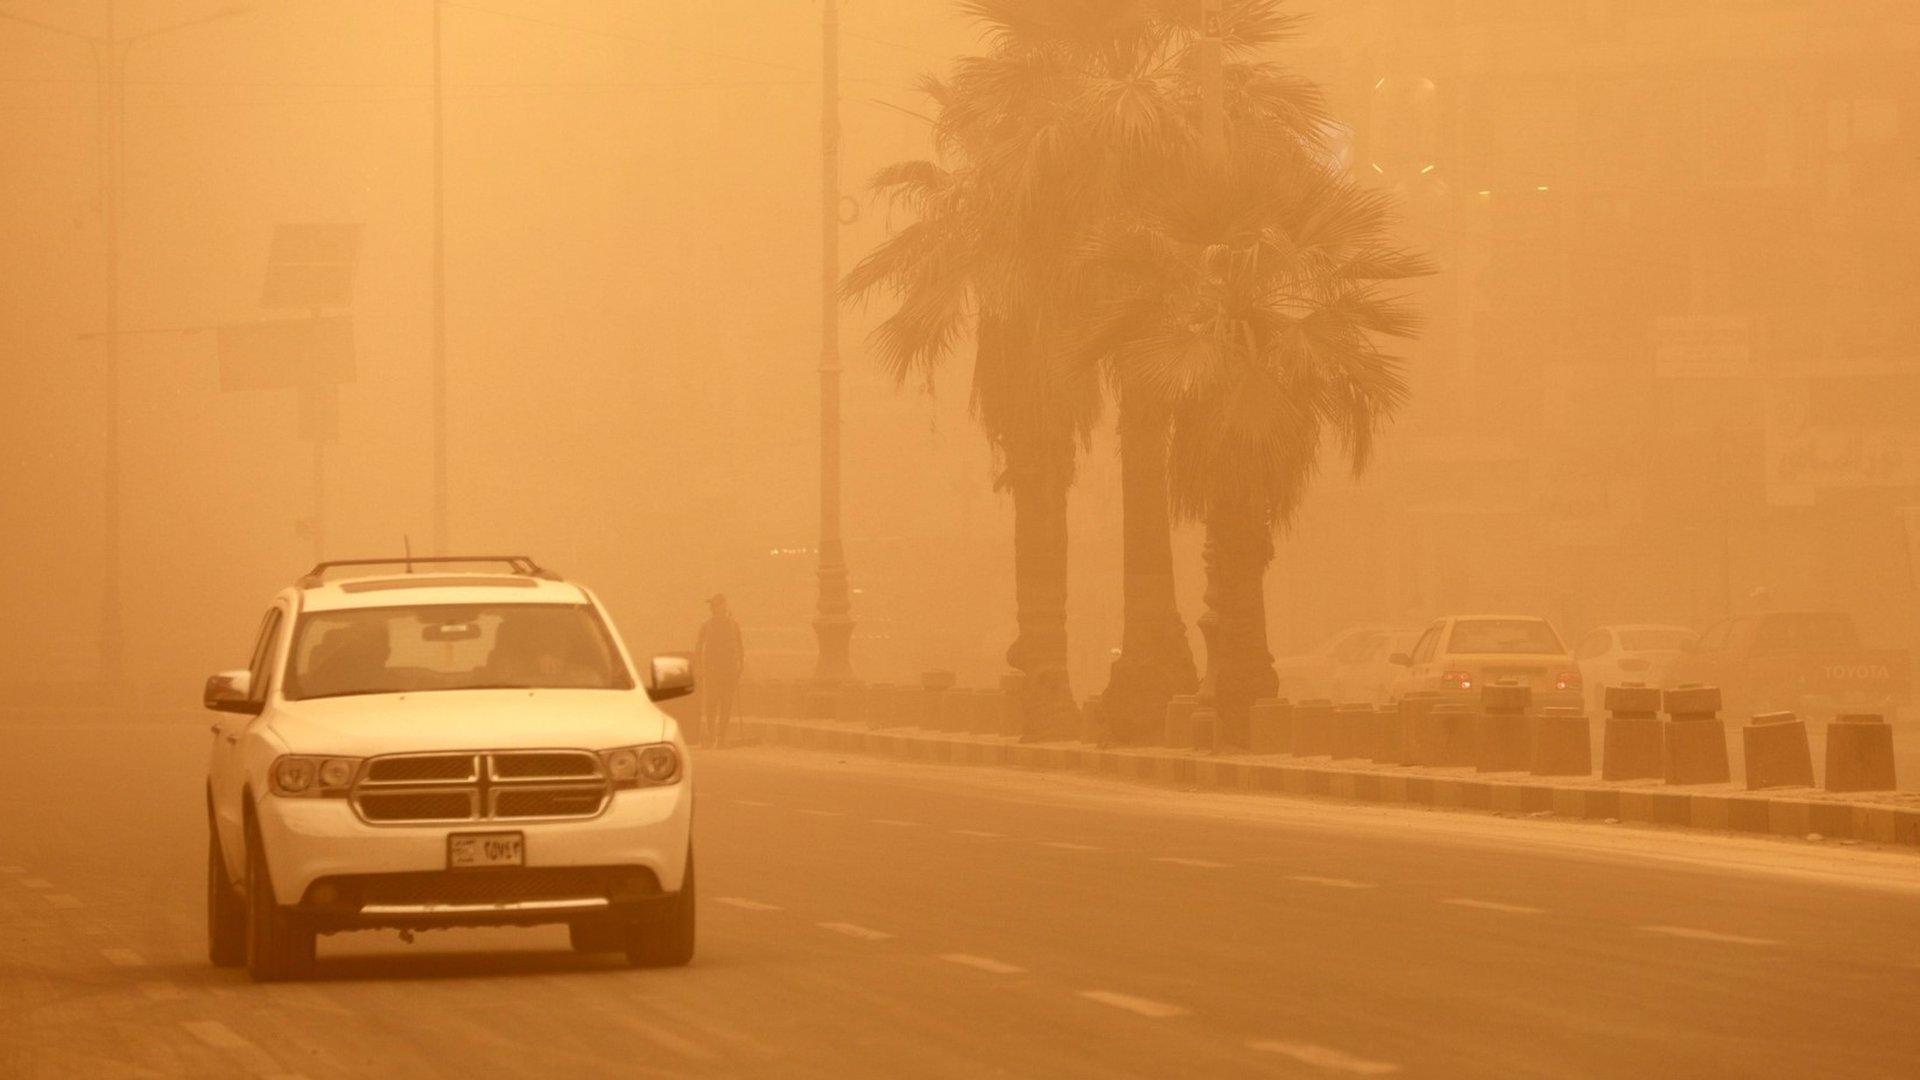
(296, 776)
(653, 765)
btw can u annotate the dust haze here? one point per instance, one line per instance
(1613, 362)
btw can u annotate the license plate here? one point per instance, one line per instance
(470, 850)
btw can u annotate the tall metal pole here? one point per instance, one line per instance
(833, 623)
(110, 54)
(439, 391)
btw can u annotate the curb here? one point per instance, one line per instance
(1642, 802)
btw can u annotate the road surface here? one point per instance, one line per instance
(861, 918)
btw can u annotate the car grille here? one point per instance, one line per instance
(515, 785)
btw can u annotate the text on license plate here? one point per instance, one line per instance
(466, 850)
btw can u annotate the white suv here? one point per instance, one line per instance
(423, 749)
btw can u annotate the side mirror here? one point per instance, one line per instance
(669, 677)
(231, 691)
(1401, 659)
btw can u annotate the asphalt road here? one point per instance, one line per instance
(861, 918)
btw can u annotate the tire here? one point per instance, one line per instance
(664, 936)
(226, 914)
(278, 946)
(596, 936)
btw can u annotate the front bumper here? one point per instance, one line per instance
(634, 850)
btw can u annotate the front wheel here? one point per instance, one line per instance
(226, 915)
(278, 945)
(663, 937)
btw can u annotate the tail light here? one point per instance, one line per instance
(1567, 680)
(1457, 680)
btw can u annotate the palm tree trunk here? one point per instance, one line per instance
(1155, 660)
(1240, 671)
(1039, 469)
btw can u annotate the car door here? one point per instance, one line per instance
(226, 767)
(1423, 673)
(1599, 664)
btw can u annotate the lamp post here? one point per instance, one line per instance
(110, 52)
(833, 622)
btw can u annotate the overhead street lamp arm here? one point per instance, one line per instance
(216, 16)
(49, 27)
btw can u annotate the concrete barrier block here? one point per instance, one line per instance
(1507, 798)
(1789, 817)
(1390, 736)
(1632, 747)
(1313, 729)
(1691, 701)
(1449, 792)
(1695, 750)
(1562, 743)
(1176, 770)
(1655, 806)
(1859, 753)
(1420, 791)
(1632, 700)
(1460, 735)
(1775, 752)
(1024, 755)
(1506, 696)
(1906, 826)
(1270, 727)
(1366, 787)
(1503, 741)
(1393, 788)
(1265, 777)
(1476, 794)
(1178, 730)
(1352, 732)
(1207, 730)
(1341, 784)
(1418, 744)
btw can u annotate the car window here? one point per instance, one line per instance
(1504, 636)
(1654, 640)
(390, 650)
(1804, 633)
(262, 666)
(1596, 643)
(1423, 651)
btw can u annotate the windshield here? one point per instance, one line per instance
(1808, 632)
(1504, 636)
(391, 650)
(1654, 640)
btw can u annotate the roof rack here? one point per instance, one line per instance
(516, 564)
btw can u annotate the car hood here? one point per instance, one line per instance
(373, 724)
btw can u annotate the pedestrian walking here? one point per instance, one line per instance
(719, 656)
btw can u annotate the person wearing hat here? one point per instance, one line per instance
(719, 656)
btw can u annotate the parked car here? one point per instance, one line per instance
(430, 749)
(1458, 655)
(1350, 666)
(1633, 653)
(1810, 662)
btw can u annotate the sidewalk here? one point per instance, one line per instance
(1882, 817)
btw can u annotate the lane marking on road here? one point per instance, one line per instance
(895, 822)
(122, 957)
(745, 904)
(1139, 1006)
(823, 813)
(982, 963)
(1330, 882)
(161, 991)
(853, 931)
(1323, 1057)
(62, 900)
(215, 1033)
(981, 833)
(750, 802)
(1066, 845)
(36, 883)
(1494, 905)
(1692, 934)
(1204, 864)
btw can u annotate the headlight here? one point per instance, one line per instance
(313, 777)
(642, 766)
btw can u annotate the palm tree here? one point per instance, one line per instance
(1250, 298)
(1074, 106)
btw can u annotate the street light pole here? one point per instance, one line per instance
(110, 52)
(439, 391)
(833, 623)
